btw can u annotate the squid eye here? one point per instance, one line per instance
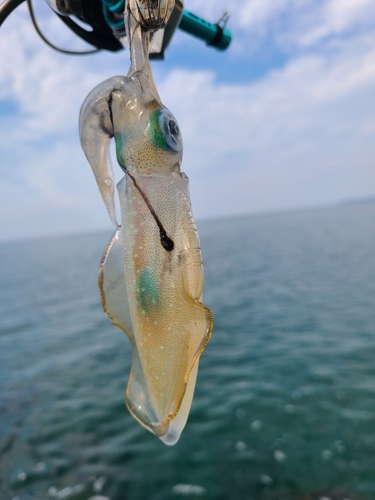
(164, 131)
(173, 128)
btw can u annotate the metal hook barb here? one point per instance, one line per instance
(224, 19)
(154, 14)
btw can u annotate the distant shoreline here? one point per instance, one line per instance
(357, 201)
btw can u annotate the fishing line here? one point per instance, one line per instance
(40, 33)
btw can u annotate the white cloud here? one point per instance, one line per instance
(288, 23)
(48, 86)
(300, 135)
(338, 18)
(343, 14)
(257, 13)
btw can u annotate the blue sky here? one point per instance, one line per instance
(284, 119)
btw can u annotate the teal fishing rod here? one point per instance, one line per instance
(216, 35)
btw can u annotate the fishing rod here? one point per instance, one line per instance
(106, 30)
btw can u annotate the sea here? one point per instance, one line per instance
(284, 406)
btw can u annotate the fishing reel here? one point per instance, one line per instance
(106, 30)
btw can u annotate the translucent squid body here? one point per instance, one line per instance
(151, 274)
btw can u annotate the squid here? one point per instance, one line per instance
(151, 275)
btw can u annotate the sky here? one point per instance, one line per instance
(282, 120)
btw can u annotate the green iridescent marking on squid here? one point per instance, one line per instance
(120, 145)
(155, 133)
(147, 291)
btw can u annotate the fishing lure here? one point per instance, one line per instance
(151, 274)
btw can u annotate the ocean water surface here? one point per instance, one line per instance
(285, 397)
